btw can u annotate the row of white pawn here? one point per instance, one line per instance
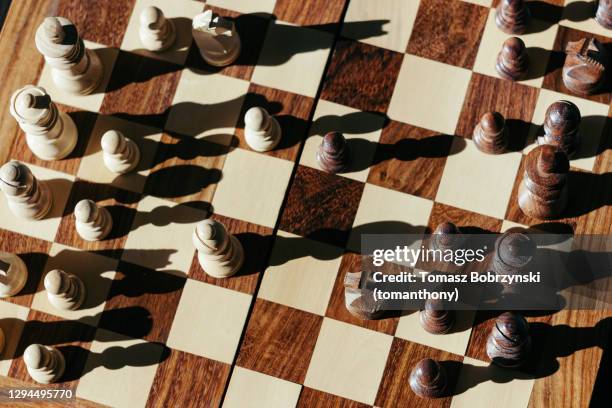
(65, 291)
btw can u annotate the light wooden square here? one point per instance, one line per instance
(92, 165)
(455, 342)
(245, 6)
(485, 3)
(301, 273)
(292, 58)
(160, 237)
(396, 16)
(504, 389)
(97, 273)
(207, 106)
(362, 128)
(385, 211)
(594, 117)
(348, 361)
(252, 187)
(429, 94)
(249, 388)
(180, 13)
(119, 371)
(209, 320)
(60, 185)
(476, 181)
(12, 321)
(580, 15)
(539, 43)
(506, 225)
(93, 101)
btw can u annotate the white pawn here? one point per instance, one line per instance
(119, 153)
(93, 223)
(217, 39)
(13, 274)
(262, 132)
(157, 33)
(65, 291)
(45, 364)
(74, 68)
(50, 134)
(220, 254)
(27, 197)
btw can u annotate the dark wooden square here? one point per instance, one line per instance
(252, 30)
(141, 89)
(279, 341)
(256, 241)
(174, 384)
(121, 205)
(321, 206)
(136, 287)
(469, 222)
(361, 76)
(323, 14)
(101, 21)
(71, 337)
(181, 158)
(34, 253)
(394, 389)
(292, 112)
(410, 159)
(516, 102)
(554, 77)
(448, 32)
(84, 122)
(336, 309)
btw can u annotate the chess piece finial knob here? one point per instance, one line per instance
(490, 135)
(262, 131)
(93, 223)
(45, 364)
(120, 154)
(509, 343)
(512, 60)
(333, 155)
(53, 29)
(584, 70)
(220, 253)
(428, 379)
(512, 16)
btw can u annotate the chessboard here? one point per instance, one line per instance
(406, 82)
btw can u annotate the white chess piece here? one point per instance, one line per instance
(74, 68)
(217, 38)
(220, 253)
(45, 364)
(50, 134)
(13, 274)
(65, 291)
(119, 153)
(262, 132)
(93, 223)
(27, 197)
(157, 33)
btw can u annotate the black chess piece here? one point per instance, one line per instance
(490, 135)
(446, 236)
(333, 155)
(512, 16)
(514, 252)
(428, 379)
(562, 127)
(604, 13)
(434, 319)
(509, 343)
(584, 69)
(512, 60)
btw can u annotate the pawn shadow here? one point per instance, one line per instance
(544, 15)
(587, 192)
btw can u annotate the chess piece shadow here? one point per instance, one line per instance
(536, 69)
(588, 192)
(588, 127)
(132, 68)
(181, 180)
(163, 215)
(35, 262)
(544, 14)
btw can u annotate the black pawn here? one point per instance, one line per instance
(428, 379)
(434, 319)
(490, 135)
(446, 236)
(509, 343)
(514, 251)
(561, 127)
(604, 13)
(512, 60)
(512, 16)
(333, 155)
